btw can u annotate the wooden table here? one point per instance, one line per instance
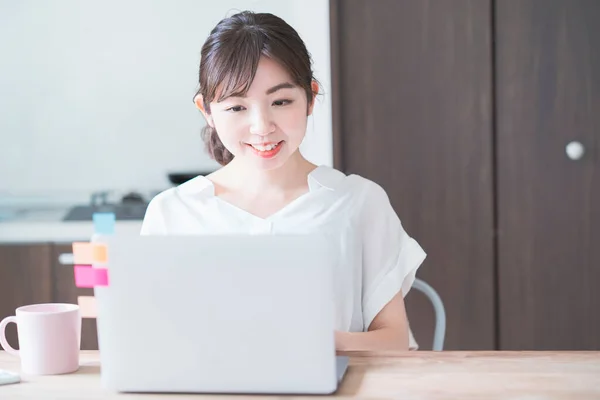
(414, 375)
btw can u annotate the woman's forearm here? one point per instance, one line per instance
(380, 339)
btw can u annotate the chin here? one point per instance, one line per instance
(267, 165)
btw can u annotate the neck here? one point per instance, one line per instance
(289, 176)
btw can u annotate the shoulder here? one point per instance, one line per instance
(171, 206)
(369, 193)
(166, 196)
(347, 184)
(367, 198)
(370, 190)
(191, 193)
(371, 202)
(194, 188)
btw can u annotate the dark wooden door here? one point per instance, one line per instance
(25, 278)
(65, 291)
(412, 102)
(548, 86)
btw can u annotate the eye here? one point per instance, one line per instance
(235, 109)
(281, 103)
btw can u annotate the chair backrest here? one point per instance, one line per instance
(439, 310)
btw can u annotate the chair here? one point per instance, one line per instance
(438, 308)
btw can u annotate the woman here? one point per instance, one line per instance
(256, 92)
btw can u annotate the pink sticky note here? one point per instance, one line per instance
(87, 306)
(86, 277)
(83, 253)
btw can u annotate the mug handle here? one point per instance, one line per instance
(3, 340)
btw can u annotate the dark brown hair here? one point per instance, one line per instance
(230, 57)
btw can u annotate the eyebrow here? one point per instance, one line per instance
(285, 85)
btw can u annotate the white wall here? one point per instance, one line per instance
(98, 94)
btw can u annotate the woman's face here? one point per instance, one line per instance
(265, 127)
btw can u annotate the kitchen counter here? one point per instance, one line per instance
(57, 231)
(42, 223)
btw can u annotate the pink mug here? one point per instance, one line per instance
(49, 338)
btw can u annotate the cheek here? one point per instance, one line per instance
(228, 127)
(222, 123)
(294, 123)
(228, 132)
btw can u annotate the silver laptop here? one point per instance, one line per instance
(218, 314)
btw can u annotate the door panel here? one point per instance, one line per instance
(548, 86)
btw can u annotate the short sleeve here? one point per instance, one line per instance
(390, 256)
(154, 222)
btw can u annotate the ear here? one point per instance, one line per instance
(199, 101)
(314, 86)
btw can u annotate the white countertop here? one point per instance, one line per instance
(43, 223)
(57, 231)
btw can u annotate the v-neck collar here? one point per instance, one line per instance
(201, 185)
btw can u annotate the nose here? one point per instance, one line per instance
(262, 123)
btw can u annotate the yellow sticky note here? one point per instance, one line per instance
(83, 253)
(100, 254)
(87, 306)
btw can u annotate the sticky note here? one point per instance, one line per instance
(99, 253)
(83, 253)
(104, 223)
(87, 277)
(87, 306)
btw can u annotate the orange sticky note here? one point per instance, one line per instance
(83, 253)
(87, 306)
(100, 254)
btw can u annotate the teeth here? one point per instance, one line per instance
(264, 148)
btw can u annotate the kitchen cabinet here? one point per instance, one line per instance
(31, 274)
(25, 278)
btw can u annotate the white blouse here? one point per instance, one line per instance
(377, 258)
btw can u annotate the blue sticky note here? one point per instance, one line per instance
(104, 223)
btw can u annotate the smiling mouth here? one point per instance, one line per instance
(264, 146)
(266, 150)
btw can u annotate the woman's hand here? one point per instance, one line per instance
(388, 331)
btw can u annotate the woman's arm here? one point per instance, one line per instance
(388, 331)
